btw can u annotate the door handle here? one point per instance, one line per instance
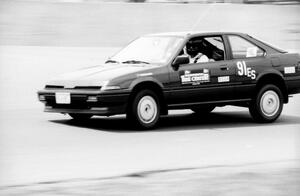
(224, 68)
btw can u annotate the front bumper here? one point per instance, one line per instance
(108, 103)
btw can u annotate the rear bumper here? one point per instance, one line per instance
(293, 86)
(105, 105)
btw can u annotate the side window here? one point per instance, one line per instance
(205, 49)
(242, 48)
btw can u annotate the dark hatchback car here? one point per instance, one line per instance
(179, 70)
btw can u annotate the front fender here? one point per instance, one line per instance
(140, 80)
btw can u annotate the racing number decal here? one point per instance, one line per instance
(243, 70)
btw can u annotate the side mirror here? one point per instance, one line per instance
(179, 60)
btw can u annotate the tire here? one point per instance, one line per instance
(144, 111)
(80, 116)
(267, 105)
(203, 109)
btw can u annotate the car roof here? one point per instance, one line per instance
(193, 33)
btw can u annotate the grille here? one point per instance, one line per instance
(88, 87)
(76, 87)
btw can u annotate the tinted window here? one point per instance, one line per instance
(242, 48)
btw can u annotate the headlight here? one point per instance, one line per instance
(106, 87)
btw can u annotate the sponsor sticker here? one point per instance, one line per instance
(187, 72)
(195, 78)
(289, 70)
(223, 79)
(251, 52)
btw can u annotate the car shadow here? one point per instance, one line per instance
(180, 122)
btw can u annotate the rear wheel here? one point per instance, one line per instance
(267, 105)
(144, 111)
(80, 116)
(204, 109)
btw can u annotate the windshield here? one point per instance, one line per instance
(148, 49)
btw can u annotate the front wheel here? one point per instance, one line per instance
(267, 105)
(144, 111)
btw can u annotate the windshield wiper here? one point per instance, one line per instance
(135, 62)
(111, 61)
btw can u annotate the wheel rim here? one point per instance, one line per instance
(269, 103)
(147, 109)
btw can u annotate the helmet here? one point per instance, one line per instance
(193, 47)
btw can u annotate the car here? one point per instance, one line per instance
(179, 70)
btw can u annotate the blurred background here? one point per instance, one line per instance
(104, 23)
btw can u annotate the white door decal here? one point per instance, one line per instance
(243, 70)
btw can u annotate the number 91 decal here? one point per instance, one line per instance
(243, 70)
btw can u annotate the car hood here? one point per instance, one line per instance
(97, 75)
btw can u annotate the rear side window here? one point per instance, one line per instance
(241, 48)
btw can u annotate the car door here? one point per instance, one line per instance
(249, 60)
(204, 81)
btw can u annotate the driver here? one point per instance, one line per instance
(193, 50)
